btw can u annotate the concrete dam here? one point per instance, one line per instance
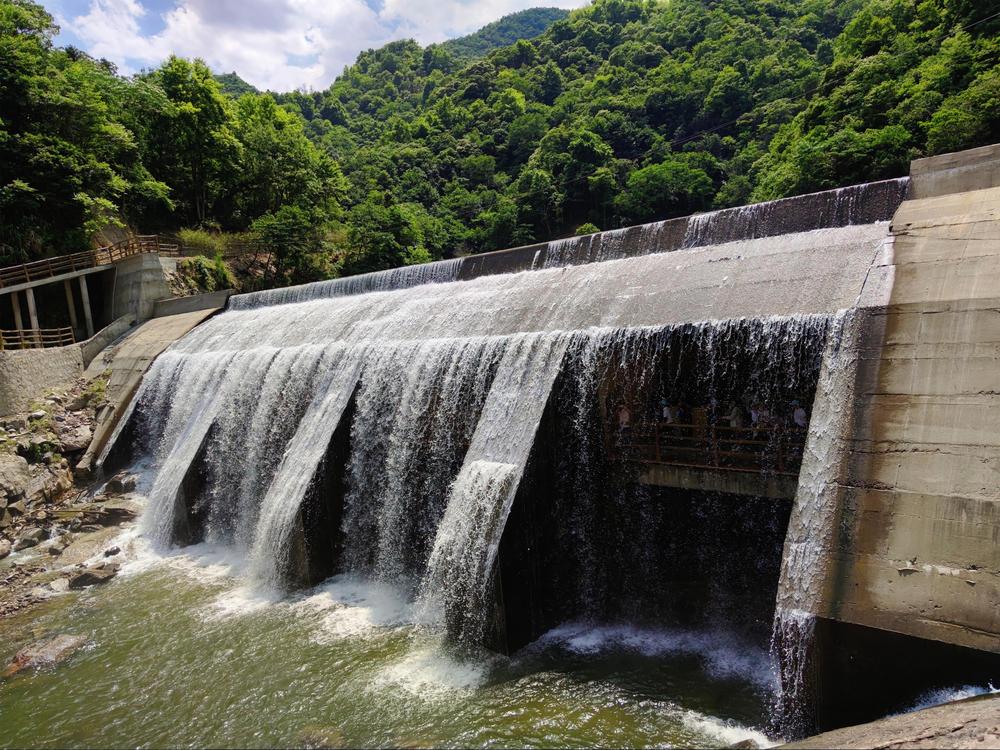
(780, 418)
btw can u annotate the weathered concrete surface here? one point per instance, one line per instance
(915, 519)
(972, 723)
(141, 280)
(90, 348)
(974, 169)
(127, 362)
(25, 374)
(711, 480)
(192, 303)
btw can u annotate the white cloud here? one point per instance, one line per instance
(278, 44)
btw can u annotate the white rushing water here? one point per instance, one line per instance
(468, 537)
(445, 385)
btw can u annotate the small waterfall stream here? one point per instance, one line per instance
(465, 546)
(280, 505)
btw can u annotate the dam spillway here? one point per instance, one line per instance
(454, 429)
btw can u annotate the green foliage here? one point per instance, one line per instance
(672, 186)
(95, 391)
(527, 24)
(587, 228)
(295, 237)
(201, 241)
(538, 126)
(67, 164)
(232, 85)
(206, 274)
(629, 111)
(83, 149)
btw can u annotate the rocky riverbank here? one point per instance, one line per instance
(970, 723)
(51, 524)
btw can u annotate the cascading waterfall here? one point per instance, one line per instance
(601, 539)
(812, 528)
(280, 505)
(847, 206)
(856, 204)
(467, 539)
(416, 410)
(438, 272)
(439, 389)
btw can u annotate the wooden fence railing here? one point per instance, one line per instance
(36, 338)
(49, 267)
(771, 449)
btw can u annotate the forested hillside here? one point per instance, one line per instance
(623, 112)
(527, 24)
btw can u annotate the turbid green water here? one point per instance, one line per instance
(180, 655)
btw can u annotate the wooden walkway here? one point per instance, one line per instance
(51, 267)
(768, 449)
(36, 338)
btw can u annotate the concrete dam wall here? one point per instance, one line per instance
(538, 434)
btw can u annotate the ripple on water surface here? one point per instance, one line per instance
(181, 653)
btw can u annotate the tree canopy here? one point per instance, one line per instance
(621, 112)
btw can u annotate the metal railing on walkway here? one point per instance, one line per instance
(36, 338)
(764, 449)
(103, 256)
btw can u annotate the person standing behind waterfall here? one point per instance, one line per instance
(799, 416)
(624, 422)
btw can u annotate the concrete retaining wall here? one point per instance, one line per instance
(192, 303)
(28, 373)
(90, 348)
(141, 281)
(917, 520)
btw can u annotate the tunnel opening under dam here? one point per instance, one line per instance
(593, 537)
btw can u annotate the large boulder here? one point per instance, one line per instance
(120, 484)
(93, 577)
(75, 439)
(5, 548)
(45, 653)
(14, 475)
(29, 538)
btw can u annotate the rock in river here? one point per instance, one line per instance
(120, 484)
(45, 653)
(75, 439)
(29, 538)
(93, 576)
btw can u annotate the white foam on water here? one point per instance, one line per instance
(429, 673)
(207, 563)
(725, 655)
(348, 606)
(727, 732)
(240, 601)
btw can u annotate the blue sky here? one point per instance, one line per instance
(275, 44)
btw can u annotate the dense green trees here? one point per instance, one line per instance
(82, 149)
(69, 162)
(630, 111)
(526, 24)
(622, 112)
